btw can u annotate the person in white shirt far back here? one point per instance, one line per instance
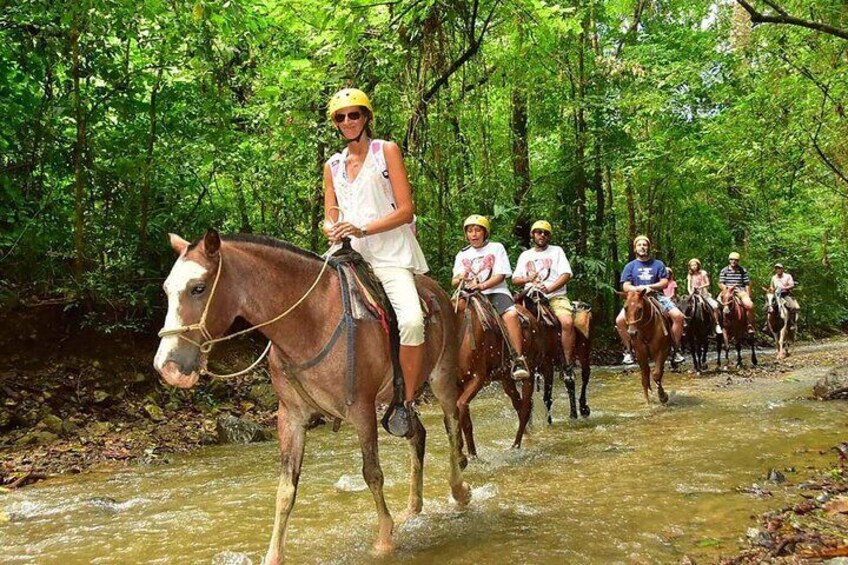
(546, 268)
(484, 265)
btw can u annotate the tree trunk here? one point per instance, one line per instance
(144, 213)
(520, 162)
(580, 145)
(317, 215)
(79, 145)
(631, 215)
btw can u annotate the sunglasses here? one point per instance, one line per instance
(352, 116)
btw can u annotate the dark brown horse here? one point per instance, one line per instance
(550, 355)
(484, 357)
(735, 326)
(650, 336)
(214, 281)
(699, 330)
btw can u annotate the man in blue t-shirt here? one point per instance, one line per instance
(645, 272)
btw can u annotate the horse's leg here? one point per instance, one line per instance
(645, 369)
(512, 392)
(659, 365)
(548, 394)
(292, 437)
(446, 393)
(417, 443)
(366, 428)
(524, 412)
(753, 350)
(739, 363)
(572, 391)
(585, 372)
(469, 391)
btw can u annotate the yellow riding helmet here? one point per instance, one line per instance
(734, 255)
(348, 97)
(477, 220)
(542, 225)
(639, 238)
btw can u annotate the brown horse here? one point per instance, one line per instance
(650, 336)
(550, 356)
(484, 357)
(256, 278)
(735, 327)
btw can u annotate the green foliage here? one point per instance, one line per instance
(212, 113)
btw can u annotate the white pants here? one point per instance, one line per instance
(399, 284)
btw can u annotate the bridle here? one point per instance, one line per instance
(642, 313)
(205, 346)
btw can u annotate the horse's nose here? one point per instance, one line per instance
(631, 331)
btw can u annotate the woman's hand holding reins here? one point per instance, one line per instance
(341, 230)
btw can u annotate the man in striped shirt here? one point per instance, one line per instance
(734, 279)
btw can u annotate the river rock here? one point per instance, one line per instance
(236, 430)
(52, 423)
(828, 386)
(776, 476)
(264, 396)
(37, 438)
(156, 414)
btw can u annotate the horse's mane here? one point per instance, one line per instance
(267, 241)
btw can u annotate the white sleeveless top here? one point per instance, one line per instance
(367, 198)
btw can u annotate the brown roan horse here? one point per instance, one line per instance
(650, 337)
(735, 326)
(257, 278)
(484, 357)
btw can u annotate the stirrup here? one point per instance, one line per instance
(398, 419)
(519, 369)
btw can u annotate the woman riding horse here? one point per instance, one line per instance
(367, 181)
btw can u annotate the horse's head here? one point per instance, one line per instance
(770, 301)
(190, 320)
(634, 309)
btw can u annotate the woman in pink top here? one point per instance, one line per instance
(698, 281)
(672, 284)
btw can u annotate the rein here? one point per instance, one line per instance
(205, 346)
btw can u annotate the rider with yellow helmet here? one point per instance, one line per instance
(734, 280)
(483, 265)
(367, 197)
(546, 268)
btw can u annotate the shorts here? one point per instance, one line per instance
(666, 302)
(561, 305)
(399, 284)
(503, 303)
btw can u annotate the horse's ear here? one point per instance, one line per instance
(177, 243)
(211, 243)
(642, 291)
(621, 293)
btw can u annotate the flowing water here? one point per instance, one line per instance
(630, 484)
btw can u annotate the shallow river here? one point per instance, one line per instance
(630, 484)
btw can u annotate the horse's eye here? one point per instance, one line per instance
(198, 289)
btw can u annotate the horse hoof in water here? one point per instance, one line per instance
(461, 494)
(573, 415)
(382, 548)
(584, 410)
(663, 396)
(463, 462)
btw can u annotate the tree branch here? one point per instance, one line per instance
(785, 19)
